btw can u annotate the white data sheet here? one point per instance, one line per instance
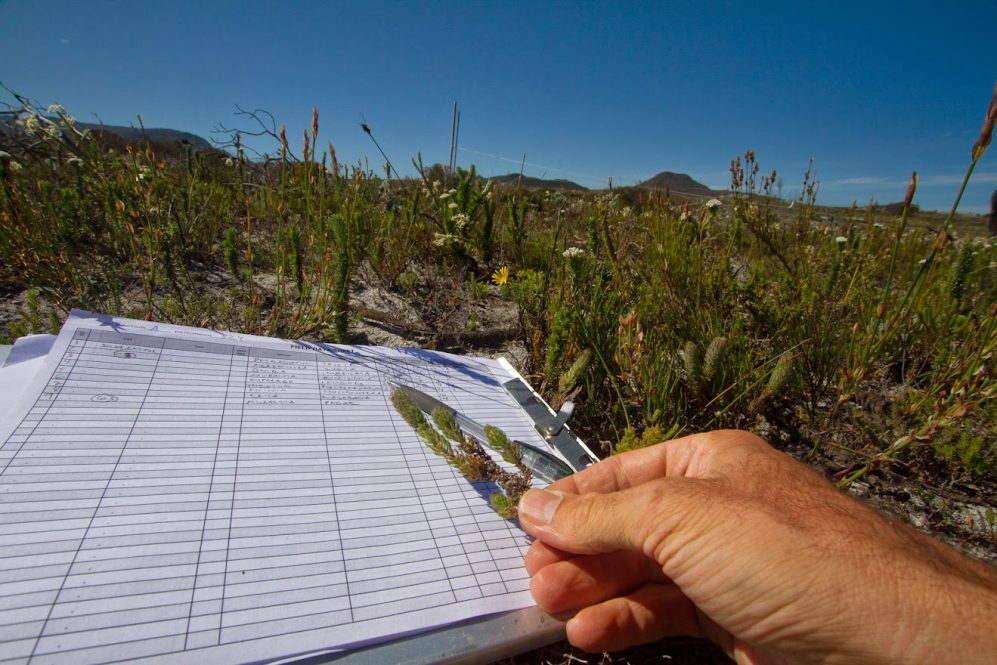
(183, 495)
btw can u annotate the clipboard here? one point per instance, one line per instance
(479, 640)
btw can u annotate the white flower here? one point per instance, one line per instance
(444, 239)
(460, 220)
(228, 161)
(841, 240)
(444, 196)
(922, 262)
(452, 205)
(573, 252)
(53, 132)
(713, 203)
(4, 155)
(878, 226)
(684, 216)
(31, 123)
(74, 161)
(56, 109)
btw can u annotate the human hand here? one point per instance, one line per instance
(719, 535)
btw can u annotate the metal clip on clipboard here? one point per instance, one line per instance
(551, 426)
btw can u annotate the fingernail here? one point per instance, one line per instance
(538, 506)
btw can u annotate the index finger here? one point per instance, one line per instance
(692, 456)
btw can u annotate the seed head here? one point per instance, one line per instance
(332, 156)
(911, 188)
(987, 132)
(940, 240)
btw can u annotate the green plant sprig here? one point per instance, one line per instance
(467, 455)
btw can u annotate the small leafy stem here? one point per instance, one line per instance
(467, 455)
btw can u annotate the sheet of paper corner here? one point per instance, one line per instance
(24, 359)
(471, 640)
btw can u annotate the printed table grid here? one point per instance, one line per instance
(176, 497)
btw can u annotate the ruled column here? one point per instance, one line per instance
(394, 557)
(103, 591)
(204, 622)
(284, 571)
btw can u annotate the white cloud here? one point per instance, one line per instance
(924, 180)
(859, 181)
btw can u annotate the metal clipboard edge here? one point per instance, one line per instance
(472, 642)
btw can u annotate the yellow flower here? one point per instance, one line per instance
(500, 276)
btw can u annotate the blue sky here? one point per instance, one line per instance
(587, 91)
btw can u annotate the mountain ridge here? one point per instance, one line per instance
(680, 183)
(531, 182)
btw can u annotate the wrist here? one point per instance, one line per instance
(948, 616)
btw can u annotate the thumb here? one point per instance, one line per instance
(637, 518)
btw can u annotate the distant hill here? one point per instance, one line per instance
(679, 183)
(538, 183)
(154, 134)
(127, 134)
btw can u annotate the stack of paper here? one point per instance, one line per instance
(180, 495)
